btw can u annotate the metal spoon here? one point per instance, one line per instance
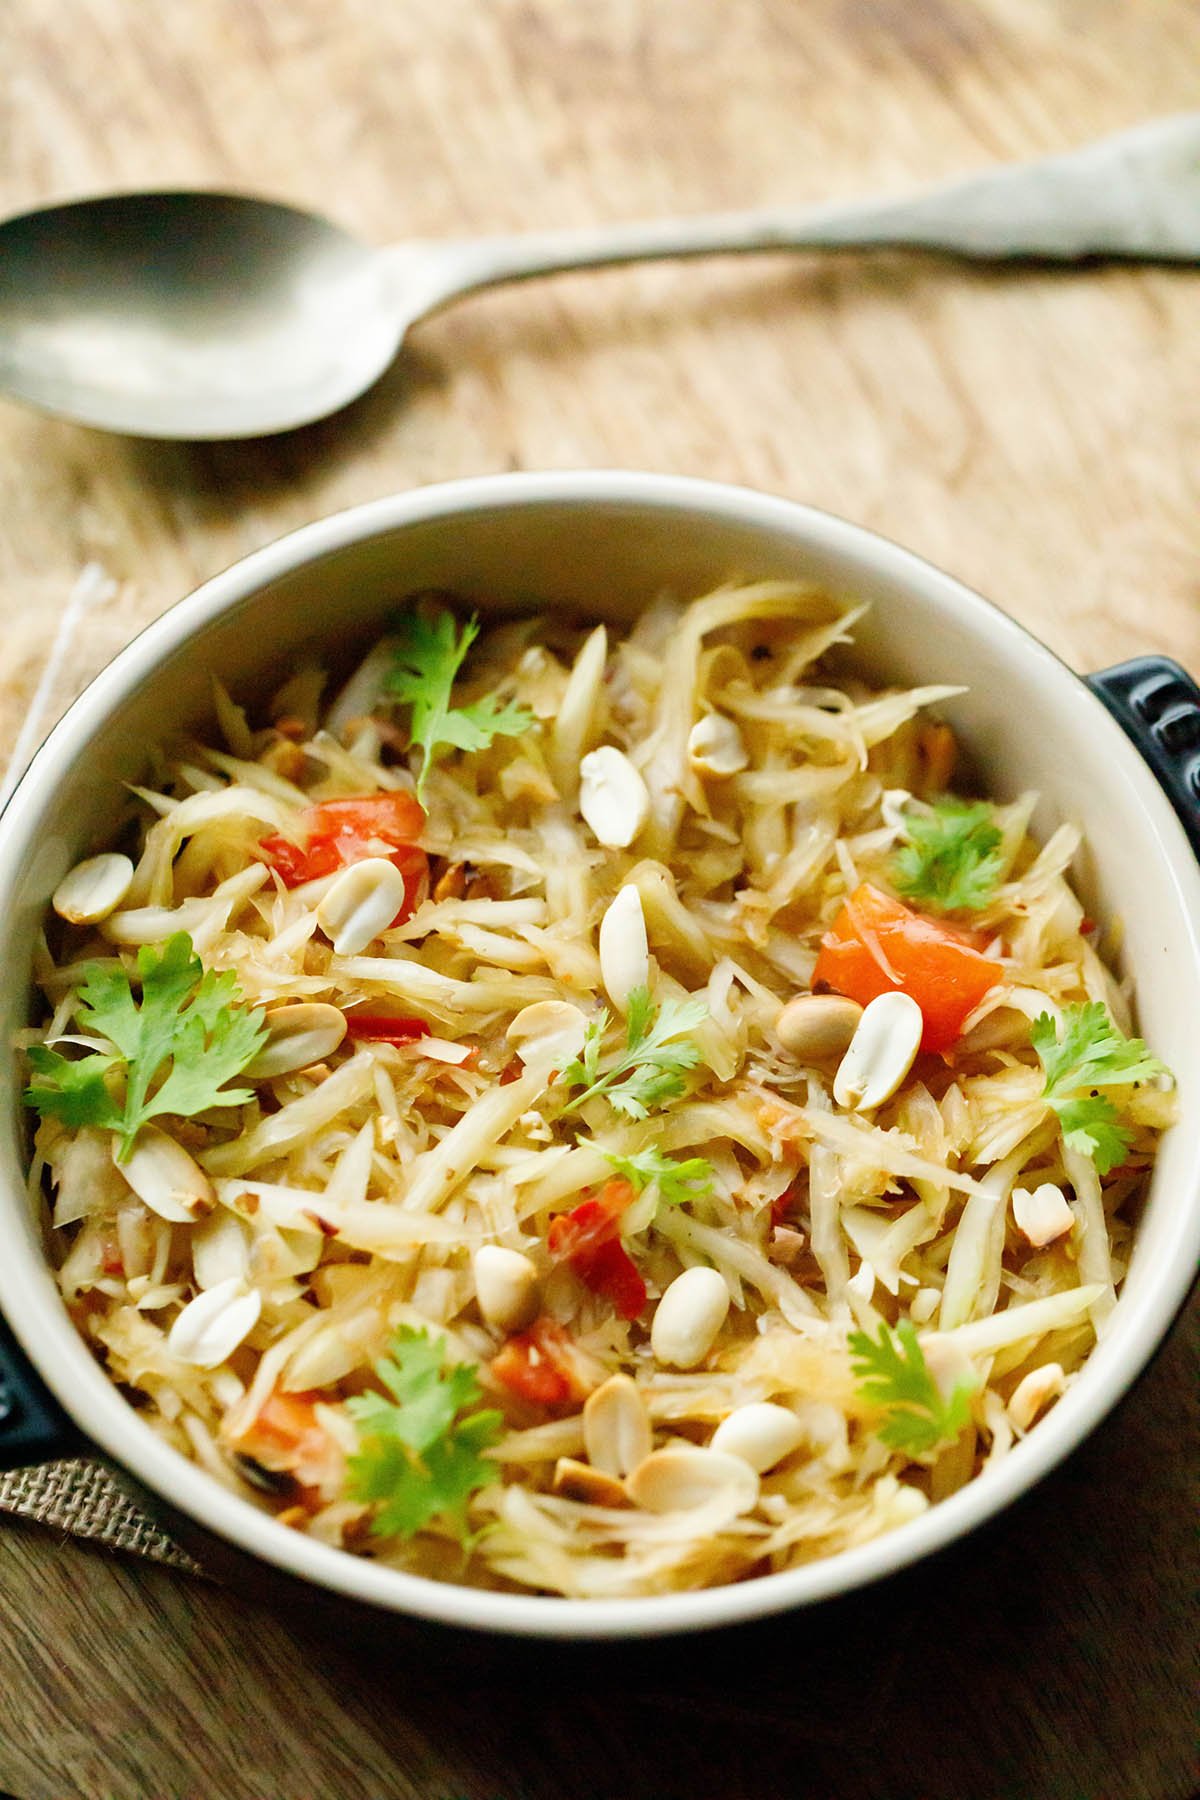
(202, 315)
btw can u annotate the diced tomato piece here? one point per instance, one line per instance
(595, 1221)
(877, 945)
(381, 1028)
(298, 863)
(538, 1366)
(285, 1437)
(340, 832)
(588, 1239)
(282, 1424)
(611, 1272)
(397, 818)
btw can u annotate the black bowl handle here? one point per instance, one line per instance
(33, 1426)
(1157, 704)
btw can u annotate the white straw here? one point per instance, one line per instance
(93, 588)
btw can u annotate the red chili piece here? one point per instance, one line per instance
(588, 1239)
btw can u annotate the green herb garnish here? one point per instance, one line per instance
(189, 1029)
(419, 1451)
(649, 1070)
(429, 654)
(952, 861)
(678, 1181)
(892, 1372)
(1091, 1053)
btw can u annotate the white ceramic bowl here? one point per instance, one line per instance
(604, 543)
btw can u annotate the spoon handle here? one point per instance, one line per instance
(1135, 195)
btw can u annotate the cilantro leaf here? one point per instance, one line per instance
(586, 1066)
(952, 861)
(678, 1181)
(892, 1372)
(419, 1455)
(429, 655)
(650, 1069)
(188, 1030)
(75, 1092)
(1091, 1053)
(1090, 1125)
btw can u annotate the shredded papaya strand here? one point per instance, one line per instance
(869, 937)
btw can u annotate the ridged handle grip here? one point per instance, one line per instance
(33, 1426)
(1157, 704)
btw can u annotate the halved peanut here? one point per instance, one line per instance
(1042, 1214)
(613, 798)
(93, 889)
(761, 1433)
(360, 903)
(1035, 1392)
(165, 1178)
(716, 748)
(881, 1052)
(624, 949)
(578, 1481)
(300, 1032)
(688, 1318)
(549, 1031)
(616, 1426)
(210, 1327)
(817, 1027)
(682, 1477)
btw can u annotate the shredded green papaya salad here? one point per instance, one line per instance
(588, 1114)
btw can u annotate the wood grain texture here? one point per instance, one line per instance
(1036, 433)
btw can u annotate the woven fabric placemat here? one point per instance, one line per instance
(81, 1497)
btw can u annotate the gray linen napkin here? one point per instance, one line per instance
(82, 1498)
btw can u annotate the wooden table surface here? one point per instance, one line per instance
(1035, 433)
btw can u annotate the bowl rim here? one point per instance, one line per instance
(33, 1307)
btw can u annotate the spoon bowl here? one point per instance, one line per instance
(191, 315)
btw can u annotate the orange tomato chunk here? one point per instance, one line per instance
(877, 945)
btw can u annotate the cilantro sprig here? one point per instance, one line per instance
(419, 1455)
(1090, 1053)
(679, 1180)
(429, 655)
(952, 861)
(649, 1070)
(892, 1373)
(172, 1053)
